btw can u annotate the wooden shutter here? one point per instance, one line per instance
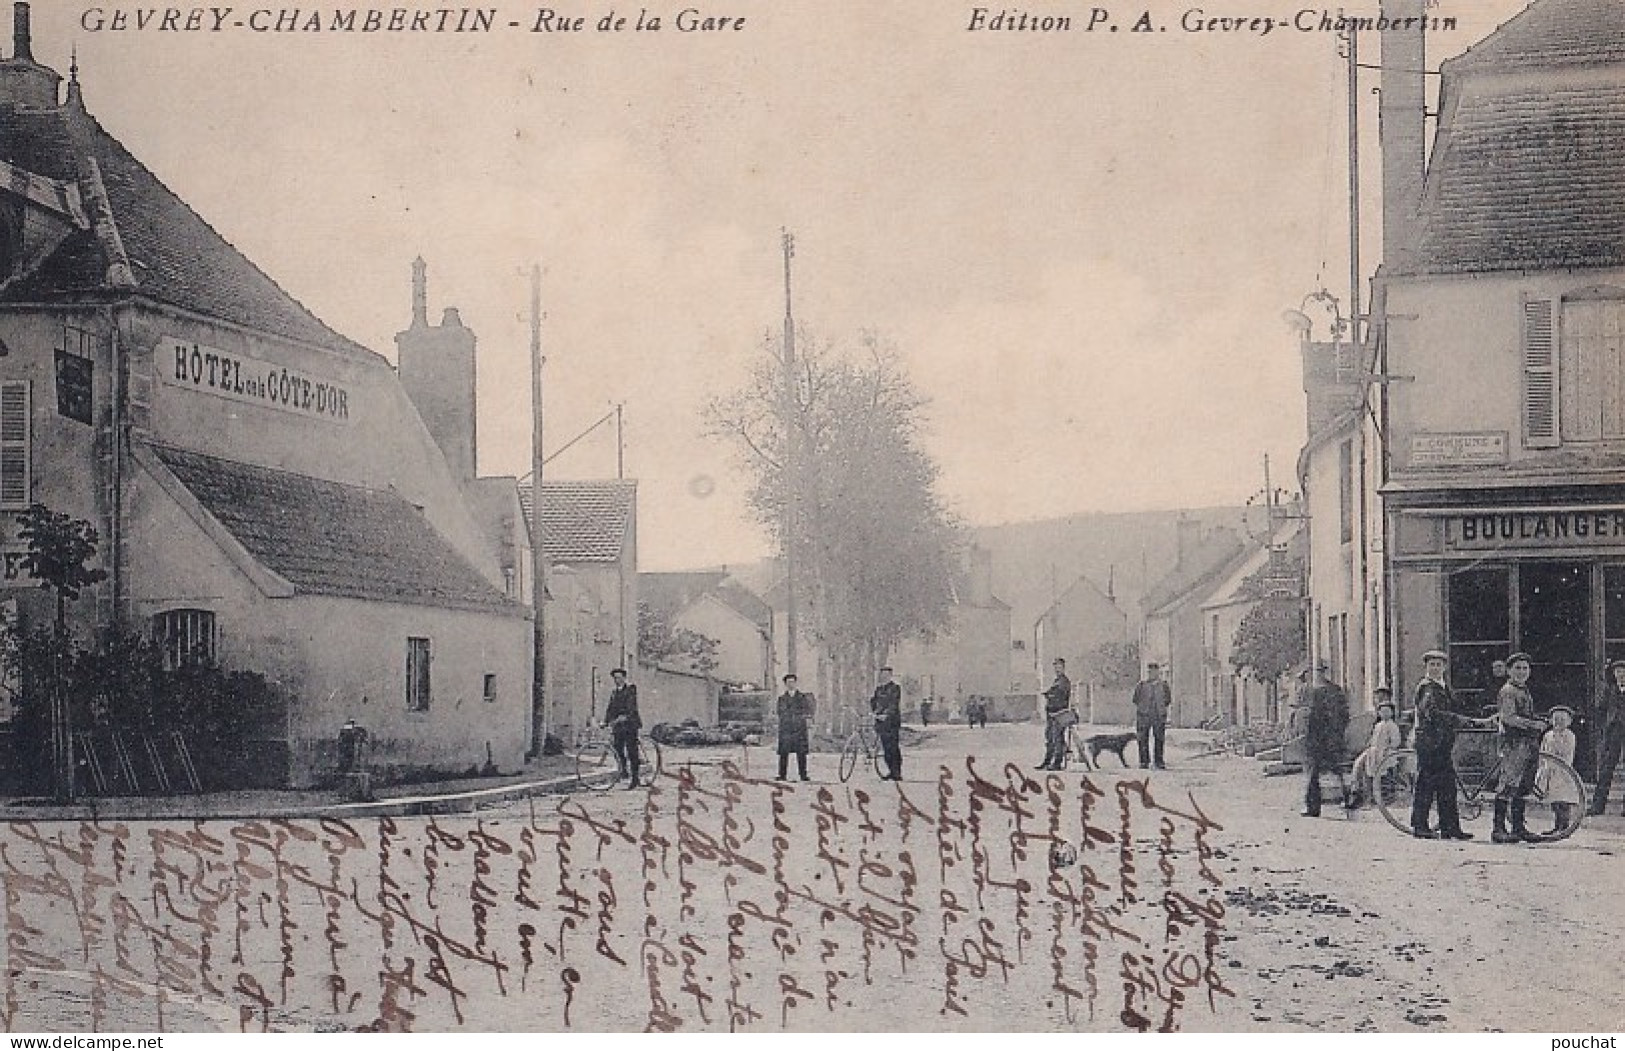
(1540, 423)
(16, 419)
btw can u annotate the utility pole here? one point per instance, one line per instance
(1354, 192)
(792, 476)
(620, 444)
(538, 551)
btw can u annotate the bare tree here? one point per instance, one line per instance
(875, 548)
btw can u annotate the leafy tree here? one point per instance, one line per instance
(1113, 665)
(1269, 642)
(874, 549)
(60, 549)
(658, 641)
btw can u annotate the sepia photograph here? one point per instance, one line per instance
(786, 517)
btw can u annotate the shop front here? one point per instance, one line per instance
(1484, 580)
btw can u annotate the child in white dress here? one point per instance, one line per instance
(1558, 742)
(1385, 738)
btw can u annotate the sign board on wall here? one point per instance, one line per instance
(1434, 449)
(1563, 529)
(253, 381)
(12, 573)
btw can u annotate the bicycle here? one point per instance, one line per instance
(598, 769)
(862, 741)
(1394, 789)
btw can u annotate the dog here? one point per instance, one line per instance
(1097, 743)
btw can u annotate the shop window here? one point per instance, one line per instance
(1613, 612)
(417, 675)
(16, 433)
(1479, 625)
(489, 691)
(185, 636)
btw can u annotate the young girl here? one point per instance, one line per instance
(1558, 743)
(1385, 738)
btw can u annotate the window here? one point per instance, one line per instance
(16, 418)
(1574, 372)
(1345, 491)
(1479, 621)
(186, 636)
(1591, 370)
(490, 691)
(510, 582)
(417, 675)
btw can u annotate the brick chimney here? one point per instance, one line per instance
(436, 364)
(24, 82)
(1402, 125)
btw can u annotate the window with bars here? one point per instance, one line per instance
(417, 675)
(186, 636)
(16, 454)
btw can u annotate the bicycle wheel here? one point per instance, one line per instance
(596, 768)
(1555, 806)
(1393, 787)
(877, 759)
(849, 756)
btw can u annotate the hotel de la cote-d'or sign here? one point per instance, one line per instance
(243, 378)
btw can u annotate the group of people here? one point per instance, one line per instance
(1523, 739)
(1152, 699)
(795, 712)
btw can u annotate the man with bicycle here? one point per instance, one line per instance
(1057, 709)
(1519, 747)
(621, 716)
(1436, 726)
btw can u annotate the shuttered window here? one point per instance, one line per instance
(16, 430)
(1592, 368)
(1539, 376)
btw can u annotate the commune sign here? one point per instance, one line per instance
(192, 366)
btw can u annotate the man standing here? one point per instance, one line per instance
(1436, 726)
(1057, 703)
(621, 716)
(1328, 719)
(1519, 746)
(887, 706)
(1152, 699)
(795, 709)
(1610, 733)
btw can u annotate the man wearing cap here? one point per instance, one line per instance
(1152, 699)
(1327, 721)
(1519, 746)
(1057, 705)
(1610, 733)
(1436, 726)
(795, 709)
(887, 706)
(621, 716)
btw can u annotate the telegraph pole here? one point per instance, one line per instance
(538, 552)
(791, 466)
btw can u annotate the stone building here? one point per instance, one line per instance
(267, 494)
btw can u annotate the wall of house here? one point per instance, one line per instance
(742, 647)
(1081, 620)
(666, 696)
(1337, 593)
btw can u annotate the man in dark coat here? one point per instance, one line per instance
(795, 709)
(1610, 733)
(1057, 708)
(1152, 699)
(1436, 724)
(1327, 720)
(887, 706)
(624, 722)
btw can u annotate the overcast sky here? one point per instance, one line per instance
(1081, 243)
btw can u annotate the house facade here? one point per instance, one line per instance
(267, 496)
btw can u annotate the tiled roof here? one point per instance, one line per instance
(583, 521)
(1551, 33)
(668, 593)
(326, 538)
(177, 257)
(1528, 179)
(1213, 556)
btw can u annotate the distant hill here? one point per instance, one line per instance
(1033, 562)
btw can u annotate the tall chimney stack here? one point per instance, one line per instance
(420, 293)
(22, 37)
(1402, 125)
